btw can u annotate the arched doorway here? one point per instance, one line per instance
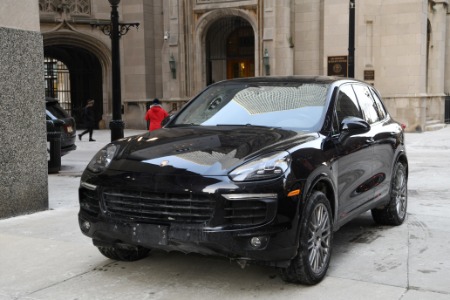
(75, 75)
(230, 49)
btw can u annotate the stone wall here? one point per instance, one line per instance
(23, 154)
(415, 111)
(408, 110)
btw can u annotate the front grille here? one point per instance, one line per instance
(89, 202)
(149, 207)
(245, 212)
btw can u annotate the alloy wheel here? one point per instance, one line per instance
(319, 238)
(400, 193)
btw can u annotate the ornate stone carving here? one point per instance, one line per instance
(70, 7)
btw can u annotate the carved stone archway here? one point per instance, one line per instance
(201, 31)
(69, 38)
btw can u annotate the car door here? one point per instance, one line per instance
(354, 155)
(380, 139)
(386, 139)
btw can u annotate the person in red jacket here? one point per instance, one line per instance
(155, 114)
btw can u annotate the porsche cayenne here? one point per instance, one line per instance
(259, 170)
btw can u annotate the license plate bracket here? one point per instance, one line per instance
(149, 234)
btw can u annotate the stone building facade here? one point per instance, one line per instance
(181, 46)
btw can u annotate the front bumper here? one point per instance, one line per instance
(67, 149)
(193, 239)
(256, 224)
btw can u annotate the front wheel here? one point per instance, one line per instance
(316, 233)
(394, 213)
(124, 254)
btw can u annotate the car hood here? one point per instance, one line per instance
(210, 151)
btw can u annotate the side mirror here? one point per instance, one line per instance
(354, 125)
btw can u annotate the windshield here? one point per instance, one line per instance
(292, 105)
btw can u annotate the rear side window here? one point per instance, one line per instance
(380, 107)
(368, 105)
(56, 110)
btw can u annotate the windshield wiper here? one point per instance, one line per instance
(184, 125)
(247, 125)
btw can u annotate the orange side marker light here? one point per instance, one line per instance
(294, 193)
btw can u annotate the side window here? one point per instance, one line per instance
(368, 106)
(382, 113)
(346, 104)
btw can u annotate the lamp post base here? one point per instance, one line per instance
(116, 127)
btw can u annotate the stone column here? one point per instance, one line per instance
(283, 64)
(436, 61)
(447, 61)
(23, 151)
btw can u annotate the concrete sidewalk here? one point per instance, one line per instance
(45, 256)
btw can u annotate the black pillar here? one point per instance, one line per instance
(351, 40)
(116, 125)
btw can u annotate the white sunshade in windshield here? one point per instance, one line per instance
(258, 100)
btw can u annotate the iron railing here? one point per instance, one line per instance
(57, 83)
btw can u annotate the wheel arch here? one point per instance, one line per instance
(404, 160)
(322, 183)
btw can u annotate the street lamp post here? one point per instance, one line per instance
(116, 125)
(115, 30)
(351, 40)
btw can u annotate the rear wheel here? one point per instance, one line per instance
(124, 254)
(316, 234)
(394, 213)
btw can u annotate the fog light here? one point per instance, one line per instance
(258, 241)
(85, 226)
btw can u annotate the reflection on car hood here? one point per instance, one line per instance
(202, 150)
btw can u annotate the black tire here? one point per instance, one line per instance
(316, 235)
(124, 254)
(394, 213)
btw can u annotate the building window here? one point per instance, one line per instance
(240, 52)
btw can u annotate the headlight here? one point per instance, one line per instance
(268, 166)
(102, 159)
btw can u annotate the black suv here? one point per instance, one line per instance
(57, 117)
(258, 169)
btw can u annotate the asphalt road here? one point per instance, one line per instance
(45, 256)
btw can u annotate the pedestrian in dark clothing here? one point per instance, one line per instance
(155, 115)
(88, 120)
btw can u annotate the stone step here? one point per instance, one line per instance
(432, 122)
(434, 126)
